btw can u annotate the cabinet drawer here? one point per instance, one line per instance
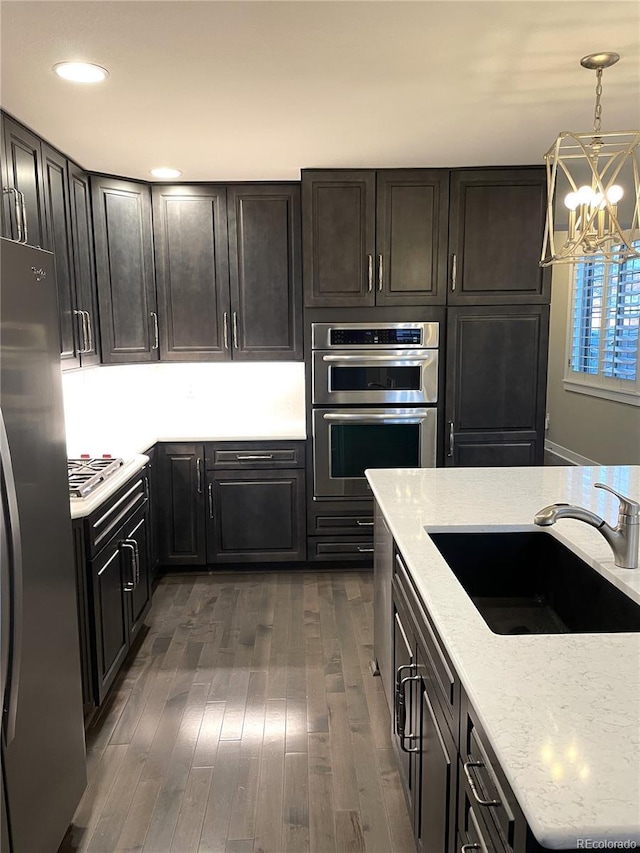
(354, 525)
(255, 455)
(349, 548)
(446, 682)
(488, 794)
(472, 828)
(105, 521)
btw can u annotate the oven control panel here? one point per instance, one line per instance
(365, 335)
(374, 337)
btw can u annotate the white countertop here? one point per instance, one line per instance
(562, 712)
(81, 507)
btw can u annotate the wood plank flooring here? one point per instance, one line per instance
(247, 721)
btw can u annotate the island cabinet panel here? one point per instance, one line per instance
(338, 226)
(375, 238)
(495, 385)
(495, 237)
(84, 270)
(192, 270)
(23, 203)
(59, 241)
(265, 261)
(181, 509)
(125, 273)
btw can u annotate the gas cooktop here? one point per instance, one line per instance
(87, 474)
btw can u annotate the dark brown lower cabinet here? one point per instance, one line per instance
(181, 505)
(340, 530)
(255, 516)
(496, 368)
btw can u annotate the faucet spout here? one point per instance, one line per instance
(624, 539)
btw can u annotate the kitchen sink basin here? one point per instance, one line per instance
(530, 583)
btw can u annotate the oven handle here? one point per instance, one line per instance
(412, 417)
(412, 361)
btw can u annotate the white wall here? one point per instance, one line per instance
(124, 409)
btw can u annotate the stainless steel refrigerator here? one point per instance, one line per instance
(43, 752)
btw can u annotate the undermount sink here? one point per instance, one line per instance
(530, 583)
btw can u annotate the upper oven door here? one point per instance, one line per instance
(399, 377)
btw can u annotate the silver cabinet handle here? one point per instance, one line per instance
(235, 330)
(199, 476)
(129, 585)
(156, 331)
(472, 784)
(89, 332)
(18, 210)
(225, 329)
(401, 714)
(132, 543)
(364, 523)
(370, 273)
(451, 439)
(25, 224)
(365, 550)
(379, 273)
(210, 500)
(254, 456)
(454, 271)
(83, 329)
(466, 847)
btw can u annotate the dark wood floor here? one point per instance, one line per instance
(247, 721)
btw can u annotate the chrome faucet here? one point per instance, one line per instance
(624, 538)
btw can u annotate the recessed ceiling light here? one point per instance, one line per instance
(165, 172)
(81, 72)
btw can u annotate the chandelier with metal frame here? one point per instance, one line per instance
(601, 172)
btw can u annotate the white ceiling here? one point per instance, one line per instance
(258, 90)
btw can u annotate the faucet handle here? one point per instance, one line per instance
(627, 505)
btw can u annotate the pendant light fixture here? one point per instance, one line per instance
(593, 188)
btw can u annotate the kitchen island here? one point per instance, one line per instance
(560, 712)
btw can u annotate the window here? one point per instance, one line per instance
(604, 325)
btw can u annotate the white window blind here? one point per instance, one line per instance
(605, 325)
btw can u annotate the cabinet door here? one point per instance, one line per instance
(496, 233)
(338, 237)
(124, 268)
(496, 383)
(136, 534)
(22, 170)
(436, 821)
(265, 271)
(412, 223)
(111, 575)
(84, 271)
(255, 516)
(181, 505)
(56, 188)
(190, 229)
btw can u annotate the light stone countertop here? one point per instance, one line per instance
(562, 712)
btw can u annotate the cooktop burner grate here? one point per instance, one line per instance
(87, 474)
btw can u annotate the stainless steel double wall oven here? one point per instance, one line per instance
(374, 396)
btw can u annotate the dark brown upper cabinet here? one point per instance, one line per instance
(192, 272)
(496, 379)
(495, 237)
(228, 272)
(23, 191)
(375, 238)
(59, 241)
(124, 268)
(265, 264)
(84, 270)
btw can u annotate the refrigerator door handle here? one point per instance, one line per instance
(14, 593)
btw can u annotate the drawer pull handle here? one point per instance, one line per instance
(466, 847)
(365, 550)
(364, 523)
(401, 709)
(251, 456)
(472, 784)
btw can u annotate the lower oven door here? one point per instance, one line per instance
(346, 442)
